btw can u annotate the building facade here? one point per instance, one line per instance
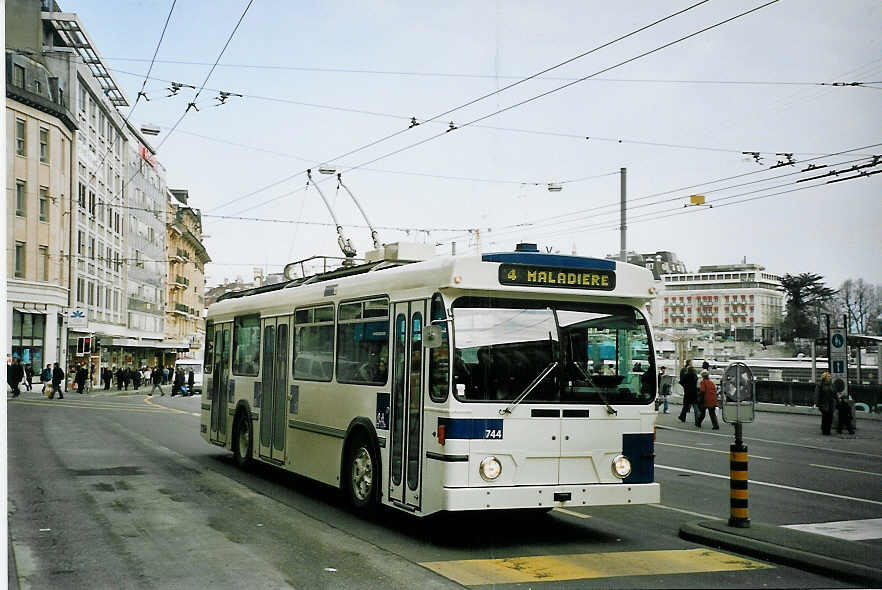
(741, 300)
(40, 131)
(187, 257)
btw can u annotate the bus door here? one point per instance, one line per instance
(220, 383)
(408, 378)
(274, 383)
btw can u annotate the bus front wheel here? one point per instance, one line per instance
(361, 474)
(242, 438)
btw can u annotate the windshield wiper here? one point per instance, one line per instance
(609, 409)
(529, 388)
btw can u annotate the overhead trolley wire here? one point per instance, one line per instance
(192, 103)
(488, 95)
(501, 77)
(564, 86)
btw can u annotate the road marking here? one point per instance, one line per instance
(581, 566)
(776, 442)
(85, 405)
(771, 485)
(571, 513)
(708, 450)
(149, 402)
(844, 469)
(850, 530)
(689, 512)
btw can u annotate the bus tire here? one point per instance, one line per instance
(243, 438)
(361, 474)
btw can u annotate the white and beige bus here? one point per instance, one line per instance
(495, 381)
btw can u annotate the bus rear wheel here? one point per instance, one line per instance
(361, 475)
(242, 439)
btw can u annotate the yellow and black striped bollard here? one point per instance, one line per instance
(738, 512)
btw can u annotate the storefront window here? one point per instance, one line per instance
(28, 330)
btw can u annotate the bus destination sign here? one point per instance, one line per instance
(556, 277)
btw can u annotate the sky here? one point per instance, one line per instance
(321, 79)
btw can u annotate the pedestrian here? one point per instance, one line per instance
(826, 402)
(136, 379)
(80, 378)
(705, 366)
(156, 378)
(191, 381)
(689, 382)
(708, 393)
(178, 382)
(165, 375)
(119, 378)
(106, 377)
(127, 378)
(29, 376)
(57, 380)
(14, 375)
(846, 417)
(664, 390)
(46, 378)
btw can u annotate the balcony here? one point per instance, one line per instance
(181, 309)
(180, 256)
(180, 282)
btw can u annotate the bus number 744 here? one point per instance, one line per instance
(493, 433)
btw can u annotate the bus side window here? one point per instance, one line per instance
(439, 358)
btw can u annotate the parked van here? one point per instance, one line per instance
(196, 366)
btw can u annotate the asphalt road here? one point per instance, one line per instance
(121, 492)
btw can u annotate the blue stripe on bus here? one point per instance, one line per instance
(558, 260)
(470, 428)
(640, 450)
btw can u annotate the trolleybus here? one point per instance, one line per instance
(494, 381)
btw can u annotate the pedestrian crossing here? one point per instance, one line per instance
(851, 530)
(74, 401)
(584, 566)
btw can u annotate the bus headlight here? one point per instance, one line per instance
(490, 468)
(621, 466)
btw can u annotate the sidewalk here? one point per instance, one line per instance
(676, 399)
(94, 392)
(844, 560)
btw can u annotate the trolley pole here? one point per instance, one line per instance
(623, 228)
(738, 511)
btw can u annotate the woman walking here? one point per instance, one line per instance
(708, 392)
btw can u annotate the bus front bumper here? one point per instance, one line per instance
(563, 496)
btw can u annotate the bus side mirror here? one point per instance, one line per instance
(432, 338)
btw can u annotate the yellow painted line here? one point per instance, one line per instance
(707, 450)
(572, 513)
(148, 402)
(844, 469)
(581, 566)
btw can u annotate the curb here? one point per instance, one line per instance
(707, 533)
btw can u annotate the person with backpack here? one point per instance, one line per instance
(46, 378)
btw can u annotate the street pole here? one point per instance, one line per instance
(623, 228)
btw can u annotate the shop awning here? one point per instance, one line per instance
(30, 311)
(135, 343)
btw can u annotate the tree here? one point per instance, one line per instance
(862, 303)
(807, 297)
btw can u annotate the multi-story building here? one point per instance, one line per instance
(660, 263)
(40, 132)
(185, 301)
(92, 168)
(740, 299)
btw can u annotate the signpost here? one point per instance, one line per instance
(739, 398)
(839, 360)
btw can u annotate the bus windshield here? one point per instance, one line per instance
(603, 351)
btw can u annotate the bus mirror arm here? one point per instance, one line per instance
(545, 372)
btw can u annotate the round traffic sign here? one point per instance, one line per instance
(837, 340)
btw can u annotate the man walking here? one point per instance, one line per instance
(28, 376)
(57, 380)
(689, 382)
(80, 378)
(156, 377)
(14, 375)
(191, 381)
